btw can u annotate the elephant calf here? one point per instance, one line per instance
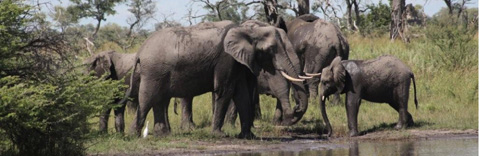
(384, 80)
(117, 66)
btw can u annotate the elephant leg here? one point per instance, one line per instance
(187, 117)
(213, 104)
(149, 92)
(231, 115)
(161, 125)
(258, 110)
(244, 101)
(352, 106)
(104, 120)
(221, 105)
(277, 117)
(400, 104)
(313, 88)
(336, 99)
(119, 119)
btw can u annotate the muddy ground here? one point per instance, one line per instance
(298, 142)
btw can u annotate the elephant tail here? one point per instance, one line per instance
(414, 90)
(132, 105)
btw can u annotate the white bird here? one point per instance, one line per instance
(145, 131)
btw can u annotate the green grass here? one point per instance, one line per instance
(448, 99)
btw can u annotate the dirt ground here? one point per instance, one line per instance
(298, 143)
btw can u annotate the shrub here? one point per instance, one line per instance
(51, 118)
(453, 46)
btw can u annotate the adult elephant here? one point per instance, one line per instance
(317, 43)
(116, 66)
(269, 83)
(220, 57)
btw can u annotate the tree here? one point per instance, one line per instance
(458, 5)
(449, 6)
(303, 7)
(224, 10)
(142, 11)
(270, 7)
(351, 24)
(97, 9)
(397, 24)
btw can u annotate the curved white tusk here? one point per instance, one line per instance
(323, 98)
(291, 78)
(313, 74)
(305, 77)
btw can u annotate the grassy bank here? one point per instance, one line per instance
(447, 91)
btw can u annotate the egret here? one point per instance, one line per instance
(145, 131)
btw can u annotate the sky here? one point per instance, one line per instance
(176, 10)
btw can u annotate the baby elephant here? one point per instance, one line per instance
(384, 80)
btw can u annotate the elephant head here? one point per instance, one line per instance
(101, 63)
(267, 49)
(332, 81)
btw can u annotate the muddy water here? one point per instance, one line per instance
(463, 146)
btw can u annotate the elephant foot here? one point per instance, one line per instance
(353, 133)
(400, 126)
(187, 126)
(219, 133)
(246, 135)
(277, 122)
(161, 130)
(161, 134)
(410, 122)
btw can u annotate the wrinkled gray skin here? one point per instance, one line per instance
(317, 43)
(269, 83)
(116, 66)
(383, 80)
(219, 57)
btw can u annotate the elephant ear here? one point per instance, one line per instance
(339, 74)
(242, 42)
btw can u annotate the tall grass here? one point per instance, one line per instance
(447, 90)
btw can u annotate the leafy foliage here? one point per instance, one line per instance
(52, 118)
(11, 35)
(455, 45)
(377, 20)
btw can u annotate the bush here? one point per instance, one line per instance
(377, 21)
(453, 45)
(51, 118)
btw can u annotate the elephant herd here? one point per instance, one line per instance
(237, 62)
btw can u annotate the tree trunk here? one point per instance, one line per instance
(349, 15)
(397, 23)
(303, 7)
(449, 6)
(97, 28)
(270, 7)
(357, 12)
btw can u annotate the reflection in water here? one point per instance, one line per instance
(447, 146)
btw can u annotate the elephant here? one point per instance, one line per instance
(219, 57)
(269, 83)
(317, 42)
(385, 79)
(117, 66)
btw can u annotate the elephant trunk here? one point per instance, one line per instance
(324, 115)
(301, 98)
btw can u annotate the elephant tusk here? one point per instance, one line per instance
(290, 78)
(323, 98)
(313, 74)
(305, 77)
